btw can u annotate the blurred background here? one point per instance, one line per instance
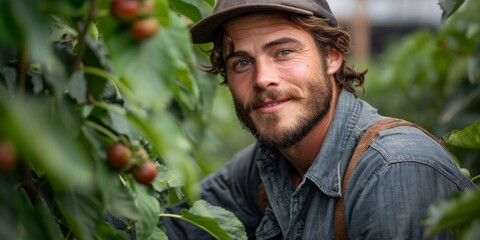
(420, 68)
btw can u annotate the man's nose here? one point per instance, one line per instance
(265, 75)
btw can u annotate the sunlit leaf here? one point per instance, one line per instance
(165, 178)
(158, 234)
(466, 138)
(217, 221)
(187, 9)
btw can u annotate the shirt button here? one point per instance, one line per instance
(300, 227)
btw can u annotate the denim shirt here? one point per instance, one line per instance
(398, 177)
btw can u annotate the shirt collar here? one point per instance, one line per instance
(339, 144)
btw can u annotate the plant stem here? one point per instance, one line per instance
(106, 75)
(82, 34)
(102, 129)
(119, 86)
(22, 71)
(475, 178)
(29, 185)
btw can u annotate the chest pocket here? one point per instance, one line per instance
(268, 227)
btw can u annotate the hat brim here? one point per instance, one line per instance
(204, 31)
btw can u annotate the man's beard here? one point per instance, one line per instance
(315, 109)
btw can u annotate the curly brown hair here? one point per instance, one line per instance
(325, 37)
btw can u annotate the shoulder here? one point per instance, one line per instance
(406, 143)
(404, 148)
(398, 177)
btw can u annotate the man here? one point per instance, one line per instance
(283, 62)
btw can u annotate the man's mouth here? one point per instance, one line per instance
(269, 104)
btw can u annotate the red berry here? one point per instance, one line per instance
(125, 10)
(144, 28)
(145, 173)
(8, 156)
(118, 156)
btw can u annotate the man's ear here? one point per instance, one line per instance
(334, 61)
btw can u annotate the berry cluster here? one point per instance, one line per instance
(138, 14)
(133, 159)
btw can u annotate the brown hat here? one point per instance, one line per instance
(204, 30)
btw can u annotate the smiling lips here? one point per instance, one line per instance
(272, 100)
(268, 106)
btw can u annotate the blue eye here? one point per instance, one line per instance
(284, 52)
(241, 64)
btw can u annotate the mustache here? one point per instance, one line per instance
(271, 95)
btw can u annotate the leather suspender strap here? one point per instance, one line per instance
(339, 227)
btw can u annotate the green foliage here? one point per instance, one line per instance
(459, 215)
(440, 73)
(433, 79)
(73, 81)
(467, 138)
(220, 223)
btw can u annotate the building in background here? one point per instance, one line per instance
(375, 23)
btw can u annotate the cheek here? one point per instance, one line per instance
(296, 71)
(239, 92)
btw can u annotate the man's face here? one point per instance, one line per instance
(277, 79)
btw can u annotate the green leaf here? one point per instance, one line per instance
(449, 7)
(158, 73)
(453, 213)
(467, 138)
(187, 9)
(119, 199)
(120, 124)
(149, 209)
(144, 76)
(77, 87)
(193, 8)
(107, 232)
(82, 209)
(162, 12)
(96, 56)
(158, 234)
(217, 221)
(165, 178)
(45, 141)
(21, 220)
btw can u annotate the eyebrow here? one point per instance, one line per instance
(279, 42)
(264, 47)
